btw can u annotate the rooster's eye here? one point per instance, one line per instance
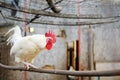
(50, 40)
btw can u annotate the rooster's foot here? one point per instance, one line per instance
(29, 65)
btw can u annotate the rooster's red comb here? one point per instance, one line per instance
(52, 35)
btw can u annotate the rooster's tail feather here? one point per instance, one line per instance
(15, 36)
(9, 31)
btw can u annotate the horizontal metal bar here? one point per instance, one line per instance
(60, 15)
(66, 72)
(46, 22)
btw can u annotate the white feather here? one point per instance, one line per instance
(15, 36)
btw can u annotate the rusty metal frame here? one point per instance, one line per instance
(106, 73)
(60, 15)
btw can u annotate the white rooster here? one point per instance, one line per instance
(25, 49)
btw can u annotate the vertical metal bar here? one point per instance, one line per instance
(25, 33)
(79, 48)
(89, 49)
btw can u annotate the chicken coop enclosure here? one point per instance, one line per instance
(87, 39)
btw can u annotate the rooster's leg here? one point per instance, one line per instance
(28, 65)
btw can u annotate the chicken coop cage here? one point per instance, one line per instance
(87, 35)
